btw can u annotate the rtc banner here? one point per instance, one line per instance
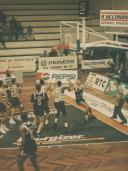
(96, 64)
(114, 18)
(24, 64)
(97, 81)
(51, 76)
(64, 62)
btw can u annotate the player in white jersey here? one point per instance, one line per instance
(8, 79)
(60, 104)
(12, 94)
(44, 89)
(4, 110)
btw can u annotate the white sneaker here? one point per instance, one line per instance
(11, 121)
(2, 130)
(5, 128)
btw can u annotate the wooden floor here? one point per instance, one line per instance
(92, 157)
(98, 157)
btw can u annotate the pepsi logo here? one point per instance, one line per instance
(45, 75)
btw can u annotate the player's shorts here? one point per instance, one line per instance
(38, 111)
(60, 106)
(80, 100)
(2, 107)
(15, 102)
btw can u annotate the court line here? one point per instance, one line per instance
(68, 145)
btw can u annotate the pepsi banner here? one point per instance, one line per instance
(97, 81)
(51, 76)
(58, 63)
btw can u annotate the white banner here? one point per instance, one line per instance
(114, 18)
(51, 76)
(24, 63)
(96, 64)
(97, 81)
(63, 62)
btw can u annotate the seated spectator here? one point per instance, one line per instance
(2, 38)
(2, 17)
(45, 54)
(30, 34)
(53, 53)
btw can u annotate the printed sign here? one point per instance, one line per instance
(114, 18)
(24, 64)
(97, 81)
(52, 76)
(69, 62)
(96, 64)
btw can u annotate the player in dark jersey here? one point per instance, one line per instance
(28, 145)
(79, 97)
(38, 100)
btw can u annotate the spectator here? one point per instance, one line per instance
(2, 17)
(45, 54)
(20, 31)
(53, 53)
(2, 38)
(13, 26)
(5, 29)
(30, 34)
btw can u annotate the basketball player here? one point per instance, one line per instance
(60, 104)
(79, 88)
(4, 110)
(39, 99)
(28, 145)
(13, 93)
(44, 89)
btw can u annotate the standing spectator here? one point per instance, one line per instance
(5, 29)
(2, 17)
(30, 34)
(20, 31)
(2, 38)
(120, 100)
(13, 27)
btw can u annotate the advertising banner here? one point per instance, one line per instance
(52, 76)
(114, 18)
(24, 63)
(97, 81)
(63, 62)
(96, 64)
